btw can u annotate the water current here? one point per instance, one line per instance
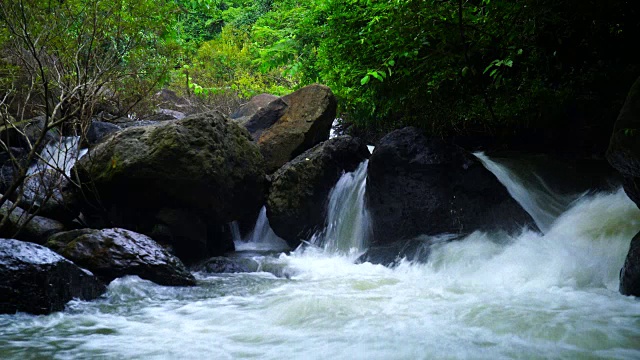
(530, 295)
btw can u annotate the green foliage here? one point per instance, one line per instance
(71, 52)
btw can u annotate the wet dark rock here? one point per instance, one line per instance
(98, 130)
(50, 193)
(624, 147)
(297, 201)
(9, 168)
(413, 250)
(36, 280)
(21, 225)
(420, 186)
(226, 265)
(24, 133)
(630, 273)
(205, 163)
(113, 253)
(290, 125)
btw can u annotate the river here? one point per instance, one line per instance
(487, 296)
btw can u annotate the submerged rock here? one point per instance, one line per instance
(296, 205)
(205, 163)
(415, 250)
(36, 280)
(225, 265)
(420, 186)
(288, 126)
(113, 253)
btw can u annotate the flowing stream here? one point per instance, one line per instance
(532, 295)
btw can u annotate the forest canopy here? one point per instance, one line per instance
(449, 67)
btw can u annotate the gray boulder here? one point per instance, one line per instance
(98, 130)
(297, 202)
(36, 280)
(23, 226)
(113, 253)
(204, 163)
(420, 186)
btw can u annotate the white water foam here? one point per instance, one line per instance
(532, 295)
(261, 238)
(348, 222)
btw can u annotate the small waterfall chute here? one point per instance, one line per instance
(59, 155)
(532, 193)
(348, 223)
(261, 238)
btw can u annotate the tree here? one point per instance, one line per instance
(69, 59)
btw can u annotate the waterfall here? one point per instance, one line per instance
(531, 192)
(59, 155)
(261, 238)
(348, 224)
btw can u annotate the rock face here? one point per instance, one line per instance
(419, 186)
(288, 126)
(246, 111)
(296, 206)
(624, 147)
(202, 169)
(113, 253)
(99, 130)
(624, 155)
(36, 230)
(630, 274)
(36, 280)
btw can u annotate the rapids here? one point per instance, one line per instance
(488, 296)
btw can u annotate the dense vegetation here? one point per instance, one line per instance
(451, 67)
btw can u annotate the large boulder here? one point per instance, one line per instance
(113, 253)
(99, 130)
(25, 133)
(420, 186)
(288, 126)
(205, 165)
(24, 226)
(246, 111)
(296, 206)
(630, 273)
(624, 147)
(624, 155)
(36, 280)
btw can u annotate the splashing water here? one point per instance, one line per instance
(348, 223)
(262, 238)
(532, 193)
(59, 155)
(487, 296)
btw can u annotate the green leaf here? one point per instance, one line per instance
(365, 80)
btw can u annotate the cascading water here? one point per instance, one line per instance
(59, 155)
(532, 193)
(348, 226)
(262, 238)
(487, 296)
